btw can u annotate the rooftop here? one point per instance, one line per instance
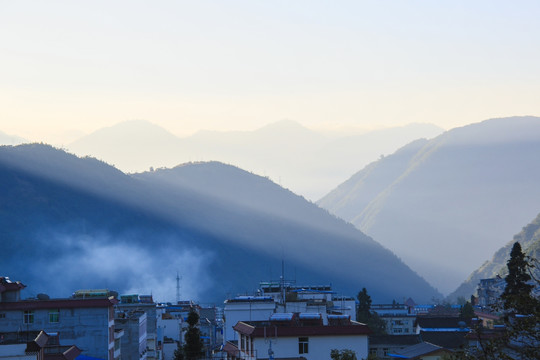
(262, 329)
(69, 303)
(418, 350)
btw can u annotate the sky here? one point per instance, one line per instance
(68, 68)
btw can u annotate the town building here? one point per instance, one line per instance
(380, 346)
(285, 297)
(137, 316)
(296, 336)
(399, 318)
(34, 345)
(489, 291)
(85, 320)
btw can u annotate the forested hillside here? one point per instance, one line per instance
(70, 223)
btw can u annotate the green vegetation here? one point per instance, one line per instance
(466, 312)
(520, 338)
(345, 354)
(517, 293)
(368, 317)
(193, 348)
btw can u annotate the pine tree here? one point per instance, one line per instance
(368, 317)
(179, 353)
(193, 348)
(467, 312)
(364, 306)
(517, 293)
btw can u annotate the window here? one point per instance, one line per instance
(28, 317)
(303, 345)
(385, 351)
(54, 316)
(2, 315)
(398, 331)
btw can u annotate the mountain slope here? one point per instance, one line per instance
(454, 201)
(529, 239)
(306, 161)
(69, 223)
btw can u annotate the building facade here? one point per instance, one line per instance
(295, 336)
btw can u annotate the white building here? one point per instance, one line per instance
(285, 297)
(292, 335)
(246, 308)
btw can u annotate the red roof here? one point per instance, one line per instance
(253, 329)
(57, 303)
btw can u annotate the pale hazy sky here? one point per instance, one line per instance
(76, 66)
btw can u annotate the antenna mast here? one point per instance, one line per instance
(178, 277)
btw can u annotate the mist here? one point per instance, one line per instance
(120, 263)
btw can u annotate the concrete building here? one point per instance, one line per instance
(285, 297)
(399, 318)
(295, 336)
(489, 291)
(134, 340)
(246, 308)
(85, 320)
(380, 346)
(13, 347)
(136, 315)
(22, 350)
(211, 327)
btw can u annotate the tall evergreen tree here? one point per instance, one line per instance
(517, 293)
(466, 312)
(520, 338)
(368, 317)
(363, 311)
(194, 347)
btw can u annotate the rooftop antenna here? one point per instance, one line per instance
(178, 277)
(283, 283)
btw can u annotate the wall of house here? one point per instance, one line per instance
(134, 339)
(245, 311)
(319, 347)
(399, 325)
(87, 328)
(16, 351)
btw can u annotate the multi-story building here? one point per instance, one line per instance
(137, 316)
(85, 320)
(246, 308)
(489, 291)
(285, 297)
(399, 318)
(293, 336)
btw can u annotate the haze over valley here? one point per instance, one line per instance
(308, 162)
(392, 146)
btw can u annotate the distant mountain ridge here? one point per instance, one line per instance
(446, 204)
(6, 139)
(306, 161)
(69, 223)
